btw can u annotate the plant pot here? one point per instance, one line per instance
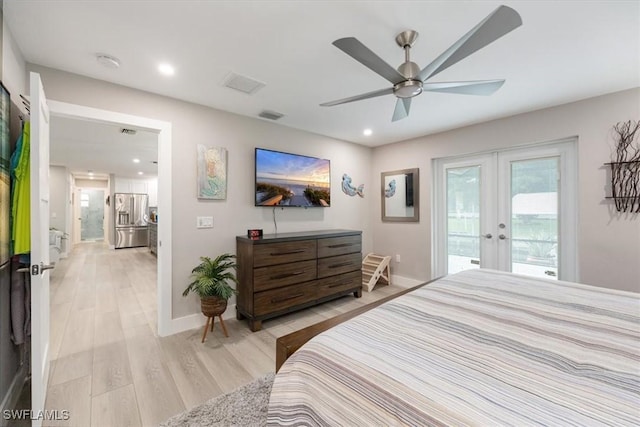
(213, 306)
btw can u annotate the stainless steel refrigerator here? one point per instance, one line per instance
(131, 220)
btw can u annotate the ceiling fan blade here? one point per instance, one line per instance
(387, 91)
(497, 24)
(403, 105)
(355, 49)
(478, 87)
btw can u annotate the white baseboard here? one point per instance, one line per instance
(405, 282)
(195, 321)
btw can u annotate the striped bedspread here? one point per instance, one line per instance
(479, 347)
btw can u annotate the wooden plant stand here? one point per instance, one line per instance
(212, 320)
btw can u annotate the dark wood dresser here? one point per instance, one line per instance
(281, 273)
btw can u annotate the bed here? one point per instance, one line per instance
(480, 347)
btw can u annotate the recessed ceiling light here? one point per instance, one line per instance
(166, 69)
(136, 160)
(108, 60)
(367, 132)
(90, 177)
(90, 173)
(140, 173)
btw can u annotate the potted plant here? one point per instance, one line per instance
(211, 282)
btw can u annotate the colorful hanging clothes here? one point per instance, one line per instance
(21, 198)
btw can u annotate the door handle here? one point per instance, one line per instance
(47, 267)
(39, 269)
(502, 237)
(487, 236)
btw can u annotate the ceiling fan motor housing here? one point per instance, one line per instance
(409, 69)
(408, 88)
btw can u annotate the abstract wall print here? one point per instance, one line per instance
(349, 189)
(212, 173)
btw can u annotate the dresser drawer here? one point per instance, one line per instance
(282, 275)
(335, 284)
(282, 298)
(335, 246)
(339, 264)
(281, 253)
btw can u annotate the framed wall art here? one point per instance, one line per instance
(212, 173)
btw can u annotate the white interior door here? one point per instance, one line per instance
(39, 158)
(513, 210)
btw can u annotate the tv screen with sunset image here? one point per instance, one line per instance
(285, 179)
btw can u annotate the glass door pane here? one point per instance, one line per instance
(534, 217)
(92, 213)
(463, 218)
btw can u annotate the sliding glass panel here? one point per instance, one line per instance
(534, 217)
(463, 218)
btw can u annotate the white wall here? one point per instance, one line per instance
(193, 124)
(14, 76)
(59, 200)
(609, 243)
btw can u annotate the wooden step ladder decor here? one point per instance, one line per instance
(374, 268)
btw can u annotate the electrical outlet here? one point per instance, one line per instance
(398, 258)
(204, 222)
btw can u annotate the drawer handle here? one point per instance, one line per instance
(277, 300)
(343, 264)
(284, 276)
(335, 285)
(286, 253)
(342, 245)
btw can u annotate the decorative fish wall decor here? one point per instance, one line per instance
(349, 189)
(391, 189)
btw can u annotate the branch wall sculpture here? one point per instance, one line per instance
(625, 168)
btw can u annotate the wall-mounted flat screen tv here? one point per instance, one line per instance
(285, 179)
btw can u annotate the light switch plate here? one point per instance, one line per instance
(204, 222)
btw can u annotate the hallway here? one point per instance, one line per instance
(103, 310)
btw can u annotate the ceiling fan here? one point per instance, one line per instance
(409, 81)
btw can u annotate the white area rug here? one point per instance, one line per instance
(246, 406)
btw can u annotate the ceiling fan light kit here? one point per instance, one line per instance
(409, 80)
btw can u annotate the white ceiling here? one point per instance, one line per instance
(84, 146)
(564, 51)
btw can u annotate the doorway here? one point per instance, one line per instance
(91, 215)
(512, 210)
(165, 324)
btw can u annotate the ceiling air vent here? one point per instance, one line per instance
(242, 84)
(271, 115)
(128, 131)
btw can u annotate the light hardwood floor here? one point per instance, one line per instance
(110, 368)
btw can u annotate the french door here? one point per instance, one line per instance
(511, 210)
